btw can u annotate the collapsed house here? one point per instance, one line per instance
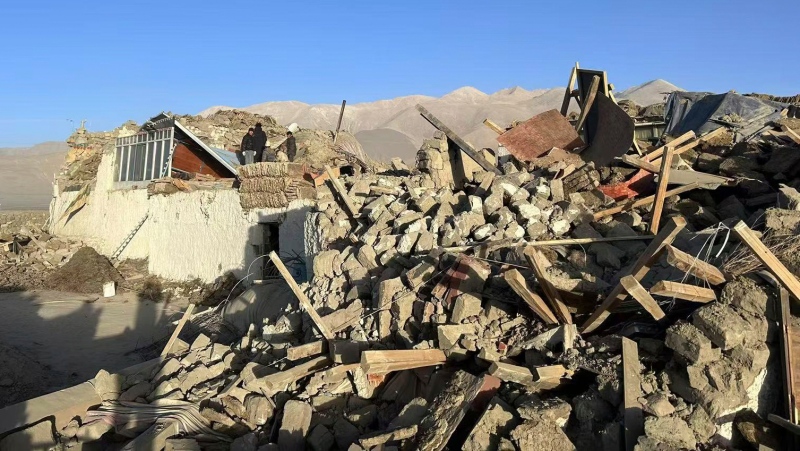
(584, 291)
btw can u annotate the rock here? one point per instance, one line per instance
(294, 426)
(529, 212)
(196, 376)
(782, 222)
(449, 336)
(89, 432)
(407, 242)
(344, 433)
(38, 437)
(690, 343)
(607, 255)
(169, 369)
(140, 390)
(320, 438)
(483, 232)
(552, 409)
(202, 342)
(731, 207)
(559, 227)
(670, 431)
(702, 425)
(465, 305)
(259, 410)
(497, 421)
(425, 243)
(748, 296)
(247, 442)
(419, 275)
(540, 435)
(535, 230)
(364, 416)
(108, 386)
(658, 404)
(181, 444)
(367, 257)
(721, 324)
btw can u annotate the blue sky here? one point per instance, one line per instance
(108, 61)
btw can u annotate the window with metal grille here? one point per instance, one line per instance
(143, 156)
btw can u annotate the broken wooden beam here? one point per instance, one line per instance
(314, 348)
(550, 372)
(639, 163)
(791, 133)
(463, 145)
(637, 291)
(588, 102)
(401, 355)
(694, 266)
(446, 411)
(683, 291)
(537, 305)
(375, 439)
(535, 260)
(494, 127)
(632, 391)
(186, 315)
(631, 204)
(279, 381)
(688, 136)
(339, 188)
(637, 270)
(661, 190)
(573, 76)
(304, 301)
(765, 256)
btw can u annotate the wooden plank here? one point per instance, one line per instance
(304, 301)
(573, 76)
(688, 136)
(468, 149)
(661, 190)
(791, 133)
(637, 291)
(339, 123)
(446, 411)
(374, 440)
(402, 355)
(337, 185)
(683, 291)
(693, 144)
(536, 304)
(383, 368)
(784, 423)
(279, 381)
(494, 127)
(186, 315)
(587, 103)
(787, 362)
(307, 350)
(631, 388)
(640, 163)
(511, 373)
(535, 260)
(631, 204)
(637, 270)
(694, 266)
(340, 370)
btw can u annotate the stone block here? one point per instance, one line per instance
(721, 324)
(465, 305)
(690, 343)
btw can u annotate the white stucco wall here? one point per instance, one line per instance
(200, 234)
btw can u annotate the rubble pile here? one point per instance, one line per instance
(543, 303)
(28, 255)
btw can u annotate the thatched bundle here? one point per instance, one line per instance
(256, 170)
(265, 185)
(263, 200)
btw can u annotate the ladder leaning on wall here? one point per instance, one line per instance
(129, 238)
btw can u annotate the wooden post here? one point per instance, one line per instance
(638, 270)
(661, 191)
(186, 315)
(637, 291)
(631, 385)
(537, 304)
(304, 301)
(469, 150)
(642, 202)
(688, 136)
(339, 124)
(683, 291)
(446, 411)
(534, 259)
(588, 102)
(337, 185)
(568, 92)
(495, 128)
(766, 257)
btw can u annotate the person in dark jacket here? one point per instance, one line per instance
(291, 146)
(246, 146)
(259, 141)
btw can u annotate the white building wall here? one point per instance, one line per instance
(196, 235)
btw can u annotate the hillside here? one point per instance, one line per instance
(390, 128)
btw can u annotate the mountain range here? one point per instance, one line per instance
(391, 128)
(26, 175)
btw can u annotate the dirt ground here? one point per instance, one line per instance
(52, 340)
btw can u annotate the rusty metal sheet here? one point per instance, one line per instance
(613, 136)
(539, 134)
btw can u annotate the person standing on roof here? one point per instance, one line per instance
(259, 142)
(291, 146)
(245, 153)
